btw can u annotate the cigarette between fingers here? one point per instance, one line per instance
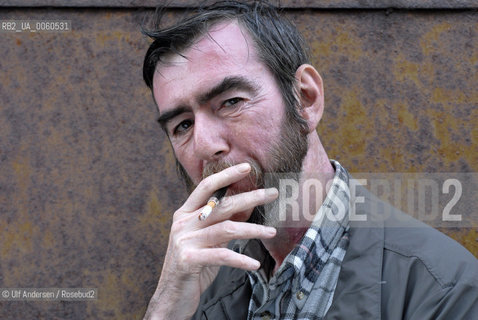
(212, 203)
(206, 211)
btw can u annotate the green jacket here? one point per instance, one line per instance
(394, 268)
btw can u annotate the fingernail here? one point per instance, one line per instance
(244, 167)
(271, 192)
(255, 264)
(271, 230)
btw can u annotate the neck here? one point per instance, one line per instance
(291, 229)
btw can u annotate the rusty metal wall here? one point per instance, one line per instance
(87, 180)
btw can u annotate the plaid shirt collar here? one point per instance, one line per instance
(320, 238)
(304, 264)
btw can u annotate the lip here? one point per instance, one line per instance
(246, 184)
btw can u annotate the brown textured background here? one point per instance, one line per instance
(87, 179)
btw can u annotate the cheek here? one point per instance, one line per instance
(190, 163)
(259, 135)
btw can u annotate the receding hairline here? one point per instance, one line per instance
(170, 58)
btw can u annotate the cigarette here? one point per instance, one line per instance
(212, 203)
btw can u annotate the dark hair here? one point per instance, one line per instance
(278, 43)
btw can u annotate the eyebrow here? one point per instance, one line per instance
(166, 116)
(228, 83)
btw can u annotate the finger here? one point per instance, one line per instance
(228, 230)
(224, 257)
(242, 202)
(209, 185)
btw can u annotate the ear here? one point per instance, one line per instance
(311, 95)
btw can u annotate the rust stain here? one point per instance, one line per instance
(354, 134)
(348, 45)
(474, 130)
(467, 237)
(19, 237)
(444, 125)
(447, 96)
(110, 292)
(103, 37)
(8, 239)
(129, 279)
(407, 70)
(405, 117)
(471, 152)
(470, 240)
(23, 173)
(320, 48)
(154, 215)
(417, 72)
(48, 240)
(430, 40)
(474, 64)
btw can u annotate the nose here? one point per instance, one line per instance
(210, 141)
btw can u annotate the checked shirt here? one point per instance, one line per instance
(304, 284)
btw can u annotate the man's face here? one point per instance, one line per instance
(221, 106)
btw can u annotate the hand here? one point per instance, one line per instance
(197, 248)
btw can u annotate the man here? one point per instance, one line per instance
(240, 104)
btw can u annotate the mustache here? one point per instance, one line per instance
(256, 176)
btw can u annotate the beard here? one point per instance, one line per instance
(285, 158)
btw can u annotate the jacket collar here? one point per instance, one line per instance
(361, 270)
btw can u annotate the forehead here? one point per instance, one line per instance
(226, 42)
(226, 50)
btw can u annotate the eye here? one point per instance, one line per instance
(231, 102)
(182, 127)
